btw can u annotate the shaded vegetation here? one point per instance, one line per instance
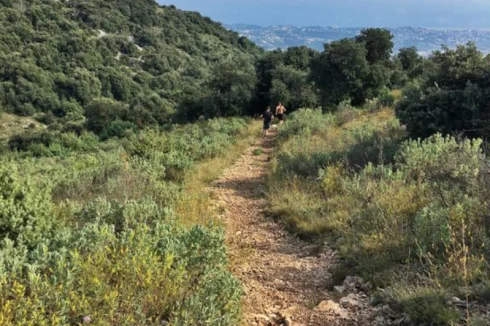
(452, 95)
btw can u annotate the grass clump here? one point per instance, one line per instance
(258, 151)
(425, 305)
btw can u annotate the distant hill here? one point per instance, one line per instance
(128, 62)
(426, 40)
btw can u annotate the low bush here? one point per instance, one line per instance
(357, 142)
(258, 151)
(426, 305)
(386, 98)
(306, 121)
(346, 113)
(147, 274)
(372, 106)
(26, 213)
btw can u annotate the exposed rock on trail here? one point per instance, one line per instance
(284, 283)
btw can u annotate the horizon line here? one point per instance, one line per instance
(486, 29)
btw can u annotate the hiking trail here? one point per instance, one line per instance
(284, 278)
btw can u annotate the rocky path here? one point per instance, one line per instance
(285, 279)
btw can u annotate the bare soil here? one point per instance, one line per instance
(284, 278)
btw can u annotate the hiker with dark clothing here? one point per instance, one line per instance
(267, 116)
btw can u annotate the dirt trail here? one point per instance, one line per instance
(285, 279)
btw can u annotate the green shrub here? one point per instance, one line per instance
(426, 305)
(372, 105)
(119, 129)
(26, 213)
(432, 228)
(355, 144)
(346, 113)
(386, 98)
(258, 151)
(142, 275)
(306, 121)
(443, 162)
(306, 165)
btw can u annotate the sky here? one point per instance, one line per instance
(345, 13)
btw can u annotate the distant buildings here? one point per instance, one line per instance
(426, 40)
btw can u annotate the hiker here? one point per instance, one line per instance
(267, 116)
(280, 110)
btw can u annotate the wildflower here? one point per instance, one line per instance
(87, 319)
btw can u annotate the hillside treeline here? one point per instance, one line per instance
(112, 67)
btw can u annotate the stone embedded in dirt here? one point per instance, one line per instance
(278, 282)
(353, 280)
(460, 303)
(327, 305)
(289, 312)
(261, 320)
(354, 284)
(352, 301)
(286, 316)
(339, 289)
(333, 308)
(456, 300)
(403, 320)
(366, 287)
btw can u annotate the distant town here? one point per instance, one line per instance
(425, 39)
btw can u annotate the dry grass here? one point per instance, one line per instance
(11, 125)
(377, 119)
(196, 207)
(398, 94)
(298, 204)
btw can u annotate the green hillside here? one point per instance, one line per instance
(119, 64)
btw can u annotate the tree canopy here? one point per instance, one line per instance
(453, 96)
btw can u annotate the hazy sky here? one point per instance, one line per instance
(388, 13)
